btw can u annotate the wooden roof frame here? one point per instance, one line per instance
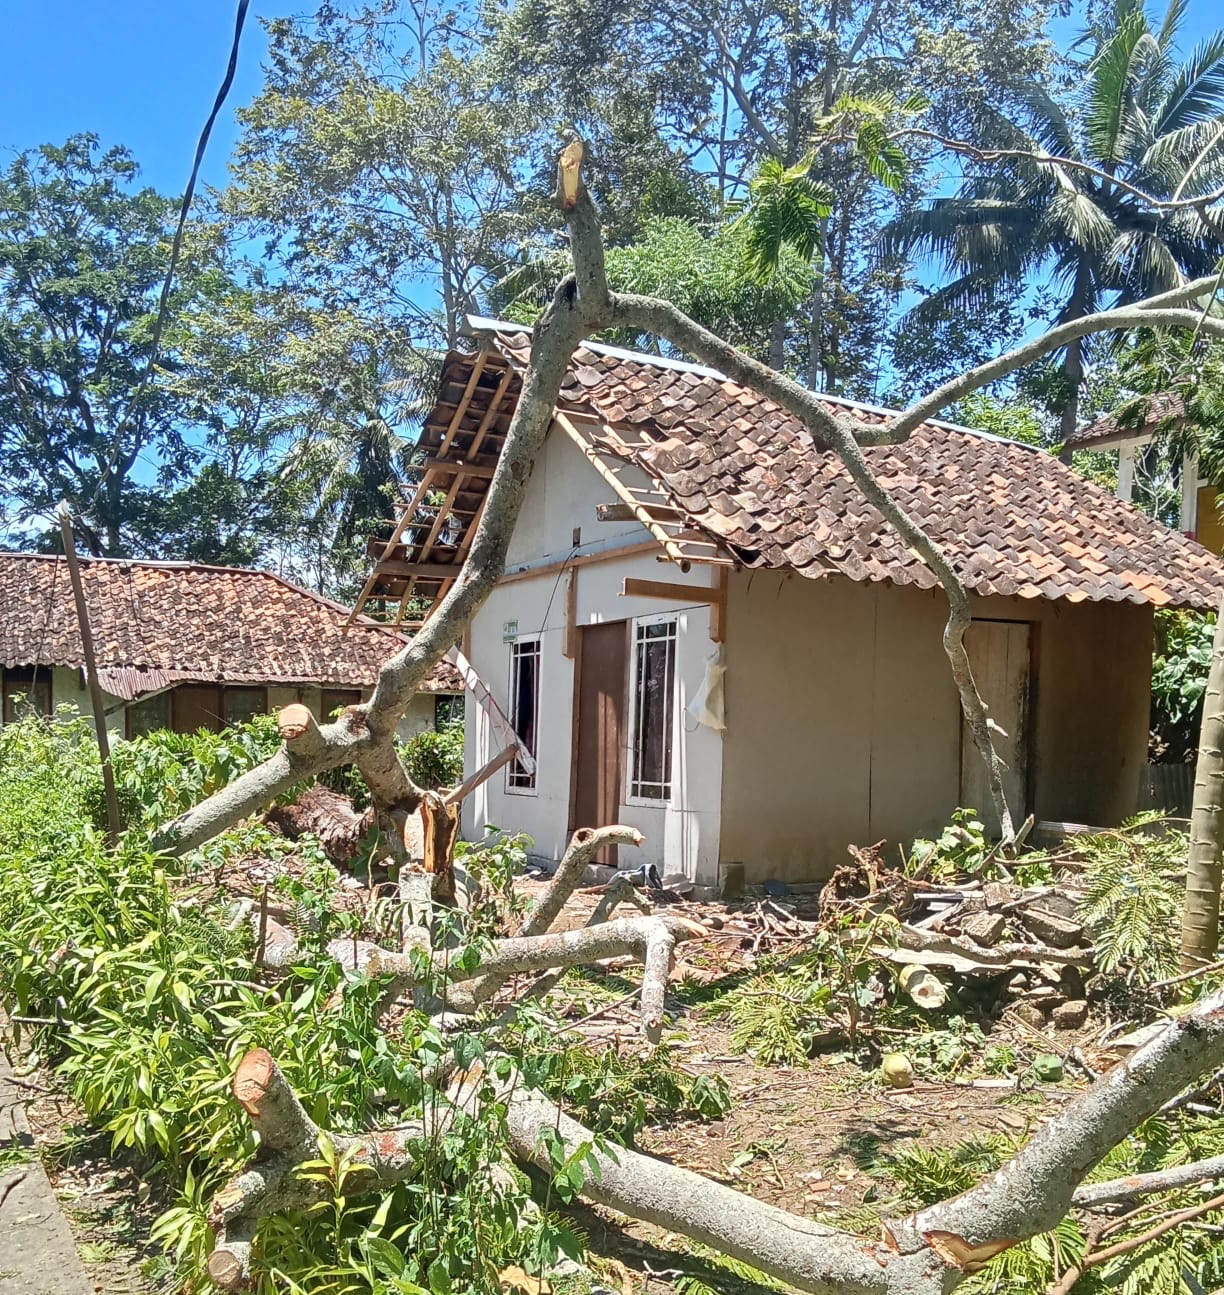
(461, 455)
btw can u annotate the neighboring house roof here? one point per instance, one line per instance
(1139, 417)
(735, 478)
(160, 623)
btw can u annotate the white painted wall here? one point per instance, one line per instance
(681, 836)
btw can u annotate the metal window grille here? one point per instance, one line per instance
(524, 707)
(654, 689)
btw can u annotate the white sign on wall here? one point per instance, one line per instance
(509, 631)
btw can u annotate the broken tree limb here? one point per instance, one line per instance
(1035, 1189)
(287, 1138)
(584, 845)
(927, 1253)
(1119, 1190)
(801, 1252)
(650, 939)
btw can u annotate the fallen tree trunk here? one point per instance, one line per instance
(653, 939)
(927, 1253)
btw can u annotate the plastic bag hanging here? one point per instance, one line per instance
(708, 706)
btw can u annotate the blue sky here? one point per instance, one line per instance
(144, 73)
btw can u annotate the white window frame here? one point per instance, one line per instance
(529, 784)
(633, 797)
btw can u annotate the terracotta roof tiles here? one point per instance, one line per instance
(1011, 518)
(161, 622)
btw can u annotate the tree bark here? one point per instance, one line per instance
(927, 1253)
(1201, 916)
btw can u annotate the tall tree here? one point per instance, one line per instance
(736, 83)
(83, 254)
(1079, 204)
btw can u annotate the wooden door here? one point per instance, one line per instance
(197, 707)
(599, 730)
(1000, 653)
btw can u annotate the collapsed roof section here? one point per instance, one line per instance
(736, 479)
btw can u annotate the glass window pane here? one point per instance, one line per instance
(148, 715)
(243, 704)
(524, 705)
(654, 692)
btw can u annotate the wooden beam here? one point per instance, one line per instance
(635, 588)
(569, 638)
(400, 527)
(410, 570)
(582, 560)
(466, 399)
(563, 421)
(483, 471)
(625, 513)
(481, 775)
(718, 608)
(494, 404)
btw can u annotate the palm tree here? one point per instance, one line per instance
(1074, 214)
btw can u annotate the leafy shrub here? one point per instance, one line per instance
(157, 1003)
(162, 774)
(961, 848)
(435, 759)
(1131, 905)
(1179, 679)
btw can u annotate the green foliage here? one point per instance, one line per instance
(612, 1093)
(1132, 905)
(435, 759)
(162, 774)
(828, 992)
(1179, 677)
(961, 849)
(929, 1174)
(785, 208)
(157, 1000)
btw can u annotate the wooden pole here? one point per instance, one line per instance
(113, 821)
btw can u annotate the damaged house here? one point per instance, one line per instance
(705, 631)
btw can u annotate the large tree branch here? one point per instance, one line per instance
(1155, 312)
(927, 1253)
(364, 734)
(829, 432)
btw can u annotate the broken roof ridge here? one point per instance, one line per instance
(483, 322)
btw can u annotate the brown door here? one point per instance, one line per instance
(599, 739)
(196, 708)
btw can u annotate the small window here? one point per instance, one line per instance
(148, 715)
(335, 699)
(524, 707)
(26, 692)
(653, 706)
(243, 704)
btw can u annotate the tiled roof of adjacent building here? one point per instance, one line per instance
(157, 623)
(746, 474)
(1138, 417)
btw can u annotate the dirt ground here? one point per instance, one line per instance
(812, 1139)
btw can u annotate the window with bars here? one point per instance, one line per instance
(524, 708)
(653, 710)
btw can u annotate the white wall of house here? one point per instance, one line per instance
(681, 835)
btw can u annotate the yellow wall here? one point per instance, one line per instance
(843, 725)
(1209, 530)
